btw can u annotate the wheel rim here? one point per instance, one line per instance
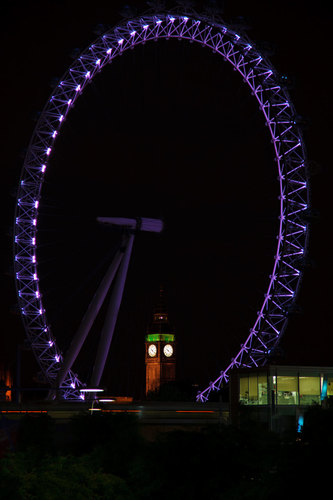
(267, 87)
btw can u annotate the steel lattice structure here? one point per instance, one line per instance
(266, 85)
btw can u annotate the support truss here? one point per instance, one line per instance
(267, 87)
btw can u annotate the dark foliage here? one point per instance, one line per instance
(105, 456)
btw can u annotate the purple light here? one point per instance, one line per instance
(278, 112)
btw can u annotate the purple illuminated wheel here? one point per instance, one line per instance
(266, 86)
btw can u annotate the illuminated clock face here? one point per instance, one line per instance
(152, 350)
(168, 350)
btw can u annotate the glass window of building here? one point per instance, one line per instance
(309, 390)
(244, 389)
(262, 389)
(253, 389)
(330, 386)
(287, 390)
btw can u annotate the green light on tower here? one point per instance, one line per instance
(156, 337)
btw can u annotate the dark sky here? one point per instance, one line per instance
(168, 130)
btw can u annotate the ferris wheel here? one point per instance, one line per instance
(267, 87)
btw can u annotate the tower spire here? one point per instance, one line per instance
(160, 327)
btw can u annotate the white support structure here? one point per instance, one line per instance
(116, 274)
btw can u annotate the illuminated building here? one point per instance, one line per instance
(6, 383)
(279, 395)
(160, 349)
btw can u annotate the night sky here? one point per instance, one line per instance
(167, 130)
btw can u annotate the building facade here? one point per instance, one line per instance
(278, 395)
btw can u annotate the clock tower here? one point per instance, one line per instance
(160, 348)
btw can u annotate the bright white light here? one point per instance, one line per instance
(51, 343)
(34, 222)
(185, 19)
(33, 241)
(98, 62)
(61, 117)
(43, 168)
(87, 75)
(78, 88)
(91, 389)
(133, 33)
(145, 26)
(109, 51)
(172, 19)
(72, 385)
(54, 135)
(57, 358)
(36, 204)
(69, 102)
(120, 42)
(37, 294)
(48, 151)
(35, 276)
(33, 259)
(158, 22)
